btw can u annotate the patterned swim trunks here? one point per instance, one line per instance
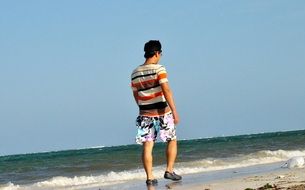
(149, 127)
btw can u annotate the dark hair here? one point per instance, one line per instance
(151, 47)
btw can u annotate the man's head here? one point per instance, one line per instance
(151, 48)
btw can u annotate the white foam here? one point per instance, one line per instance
(80, 182)
(204, 165)
(295, 162)
(10, 186)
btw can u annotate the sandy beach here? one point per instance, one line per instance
(293, 179)
(288, 179)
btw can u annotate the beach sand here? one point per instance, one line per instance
(253, 177)
(293, 179)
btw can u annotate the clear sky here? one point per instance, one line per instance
(235, 67)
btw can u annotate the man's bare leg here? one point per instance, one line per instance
(147, 158)
(171, 153)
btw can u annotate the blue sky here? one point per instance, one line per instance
(235, 67)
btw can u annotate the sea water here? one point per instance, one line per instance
(103, 167)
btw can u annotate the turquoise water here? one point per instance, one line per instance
(107, 165)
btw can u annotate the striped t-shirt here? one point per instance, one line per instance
(146, 80)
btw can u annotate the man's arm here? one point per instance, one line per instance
(170, 100)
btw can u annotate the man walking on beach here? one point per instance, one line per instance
(158, 114)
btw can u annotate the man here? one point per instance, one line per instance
(157, 111)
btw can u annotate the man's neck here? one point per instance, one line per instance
(150, 61)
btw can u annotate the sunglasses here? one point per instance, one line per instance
(159, 51)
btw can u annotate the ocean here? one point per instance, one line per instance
(105, 167)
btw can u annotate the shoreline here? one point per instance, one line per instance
(255, 177)
(252, 177)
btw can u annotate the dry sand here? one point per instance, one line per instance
(292, 179)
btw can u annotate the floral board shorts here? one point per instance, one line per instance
(150, 127)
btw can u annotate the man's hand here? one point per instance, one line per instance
(176, 118)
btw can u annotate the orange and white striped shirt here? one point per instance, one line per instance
(145, 81)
